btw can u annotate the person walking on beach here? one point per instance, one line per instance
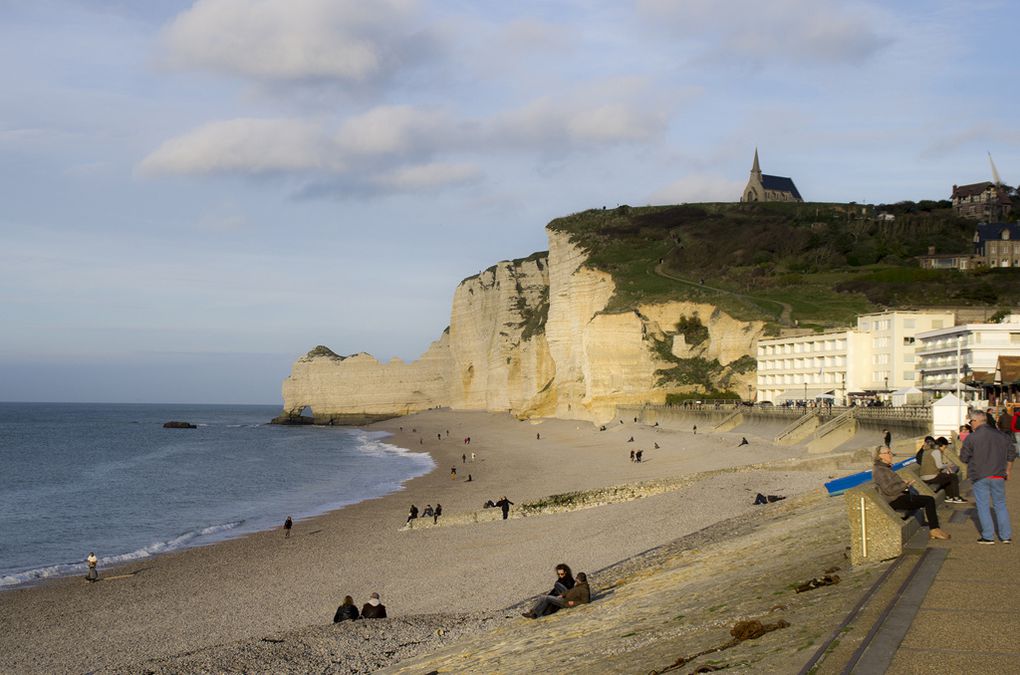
(287, 524)
(472, 456)
(637, 456)
(463, 458)
(989, 456)
(538, 436)
(373, 609)
(438, 512)
(453, 473)
(504, 504)
(887, 438)
(93, 574)
(412, 513)
(695, 429)
(439, 437)
(632, 455)
(347, 611)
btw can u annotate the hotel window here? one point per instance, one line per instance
(909, 323)
(1014, 338)
(908, 375)
(908, 358)
(908, 340)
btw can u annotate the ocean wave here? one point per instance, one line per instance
(370, 442)
(67, 569)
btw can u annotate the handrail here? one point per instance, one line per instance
(834, 423)
(792, 426)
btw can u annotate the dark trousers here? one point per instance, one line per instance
(949, 482)
(909, 502)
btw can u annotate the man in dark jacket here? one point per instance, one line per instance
(896, 492)
(504, 504)
(373, 609)
(989, 455)
(580, 594)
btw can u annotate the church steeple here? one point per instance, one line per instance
(755, 169)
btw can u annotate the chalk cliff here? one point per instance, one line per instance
(532, 337)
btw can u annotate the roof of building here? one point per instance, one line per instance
(1009, 369)
(981, 377)
(987, 231)
(974, 189)
(780, 184)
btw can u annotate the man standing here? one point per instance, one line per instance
(505, 505)
(989, 455)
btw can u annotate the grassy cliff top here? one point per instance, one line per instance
(815, 264)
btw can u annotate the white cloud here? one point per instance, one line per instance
(389, 130)
(288, 40)
(698, 188)
(567, 121)
(246, 146)
(799, 31)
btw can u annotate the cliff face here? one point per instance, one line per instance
(530, 337)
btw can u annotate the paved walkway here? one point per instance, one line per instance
(956, 611)
(967, 622)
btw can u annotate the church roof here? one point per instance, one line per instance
(780, 184)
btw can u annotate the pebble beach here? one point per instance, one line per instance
(201, 609)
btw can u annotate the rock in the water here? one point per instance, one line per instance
(178, 425)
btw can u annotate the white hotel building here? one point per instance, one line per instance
(948, 354)
(878, 355)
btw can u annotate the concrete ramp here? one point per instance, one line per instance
(798, 430)
(833, 434)
(730, 422)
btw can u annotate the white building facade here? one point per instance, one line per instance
(879, 355)
(948, 355)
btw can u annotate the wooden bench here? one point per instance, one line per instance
(878, 531)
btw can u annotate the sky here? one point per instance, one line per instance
(194, 194)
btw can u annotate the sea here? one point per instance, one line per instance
(109, 478)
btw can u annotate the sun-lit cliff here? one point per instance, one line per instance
(534, 337)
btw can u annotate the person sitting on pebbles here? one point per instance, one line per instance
(347, 611)
(580, 594)
(373, 609)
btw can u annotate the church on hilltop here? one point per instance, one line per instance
(762, 187)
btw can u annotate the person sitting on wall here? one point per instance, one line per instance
(896, 492)
(937, 474)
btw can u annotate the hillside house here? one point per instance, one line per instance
(997, 244)
(982, 201)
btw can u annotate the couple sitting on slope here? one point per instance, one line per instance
(566, 592)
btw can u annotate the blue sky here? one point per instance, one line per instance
(195, 194)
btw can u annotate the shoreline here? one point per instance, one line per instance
(215, 533)
(265, 584)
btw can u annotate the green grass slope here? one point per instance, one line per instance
(812, 264)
